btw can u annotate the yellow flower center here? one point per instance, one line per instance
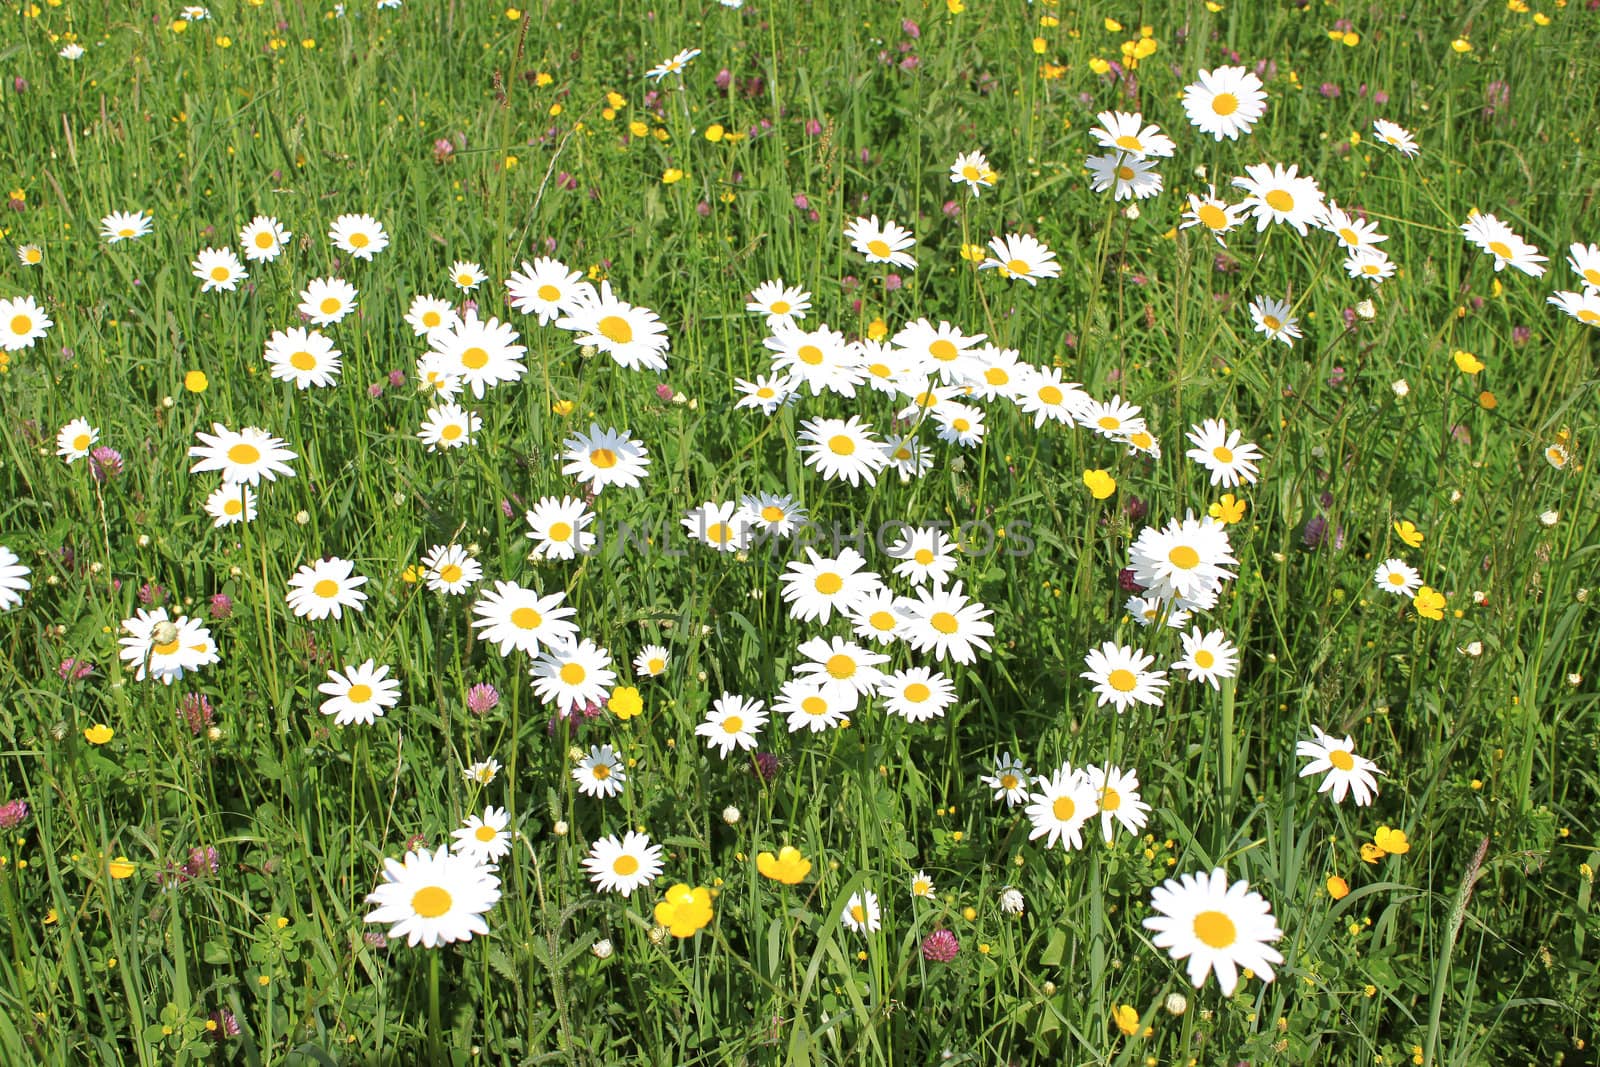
(464, 278)
(1122, 680)
(329, 305)
(474, 358)
(1341, 759)
(1272, 322)
(1349, 236)
(1130, 143)
(828, 583)
(1109, 423)
(359, 694)
(264, 239)
(655, 665)
(1501, 249)
(326, 588)
(780, 307)
(549, 293)
(625, 865)
(430, 319)
(943, 350)
(80, 442)
(882, 620)
(303, 361)
(600, 771)
(841, 445)
(1125, 173)
(1184, 557)
(1280, 200)
(772, 513)
(971, 173)
(1222, 454)
(126, 231)
(219, 274)
(814, 705)
(1204, 659)
(560, 531)
(858, 913)
(879, 247)
(431, 901)
(359, 240)
(996, 376)
(810, 355)
(924, 556)
(616, 329)
(1063, 808)
(1050, 395)
(167, 648)
(451, 432)
(841, 666)
(450, 572)
(1009, 781)
(944, 622)
(917, 692)
(244, 453)
(732, 724)
(603, 458)
(1212, 216)
(1215, 929)
(232, 507)
(485, 833)
(718, 533)
(573, 673)
(1224, 104)
(1110, 800)
(1585, 315)
(526, 619)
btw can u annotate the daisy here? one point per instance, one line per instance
(765, 394)
(481, 354)
(1369, 263)
(906, 456)
(995, 372)
(124, 226)
(842, 449)
(449, 426)
(1345, 771)
(926, 555)
(1021, 255)
(1394, 136)
(922, 887)
(1117, 797)
(22, 322)
(1184, 559)
(1142, 442)
(818, 359)
(263, 238)
(973, 169)
(625, 865)
(359, 695)
(600, 773)
(1225, 102)
(1585, 307)
(1216, 927)
(1230, 459)
(75, 439)
(651, 662)
(1149, 610)
(719, 526)
(861, 914)
(218, 268)
(13, 579)
(926, 399)
(1498, 239)
(305, 357)
(325, 588)
(546, 289)
(428, 313)
(877, 616)
(482, 772)
(484, 839)
(466, 275)
(807, 704)
(1271, 317)
(229, 504)
(327, 300)
(521, 619)
(815, 589)
(675, 65)
(633, 336)
(780, 304)
(573, 675)
(1207, 657)
(841, 667)
(1063, 803)
(1009, 781)
(884, 369)
(772, 514)
(1127, 133)
(244, 457)
(360, 235)
(916, 694)
(732, 722)
(1278, 195)
(1121, 676)
(1395, 576)
(1112, 419)
(1585, 263)
(1352, 232)
(71, 52)
(946, 623)
(1045, 395)
(33, 255)
(1214, 213)
(560, 527)
(160, 647)
(925, 349)
(434, 898)
(448, 569)
(1131, 176)
(886, 243)
(605, 457)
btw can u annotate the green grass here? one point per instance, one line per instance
(1477, 946)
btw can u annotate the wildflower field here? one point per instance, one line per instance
(963, 532)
